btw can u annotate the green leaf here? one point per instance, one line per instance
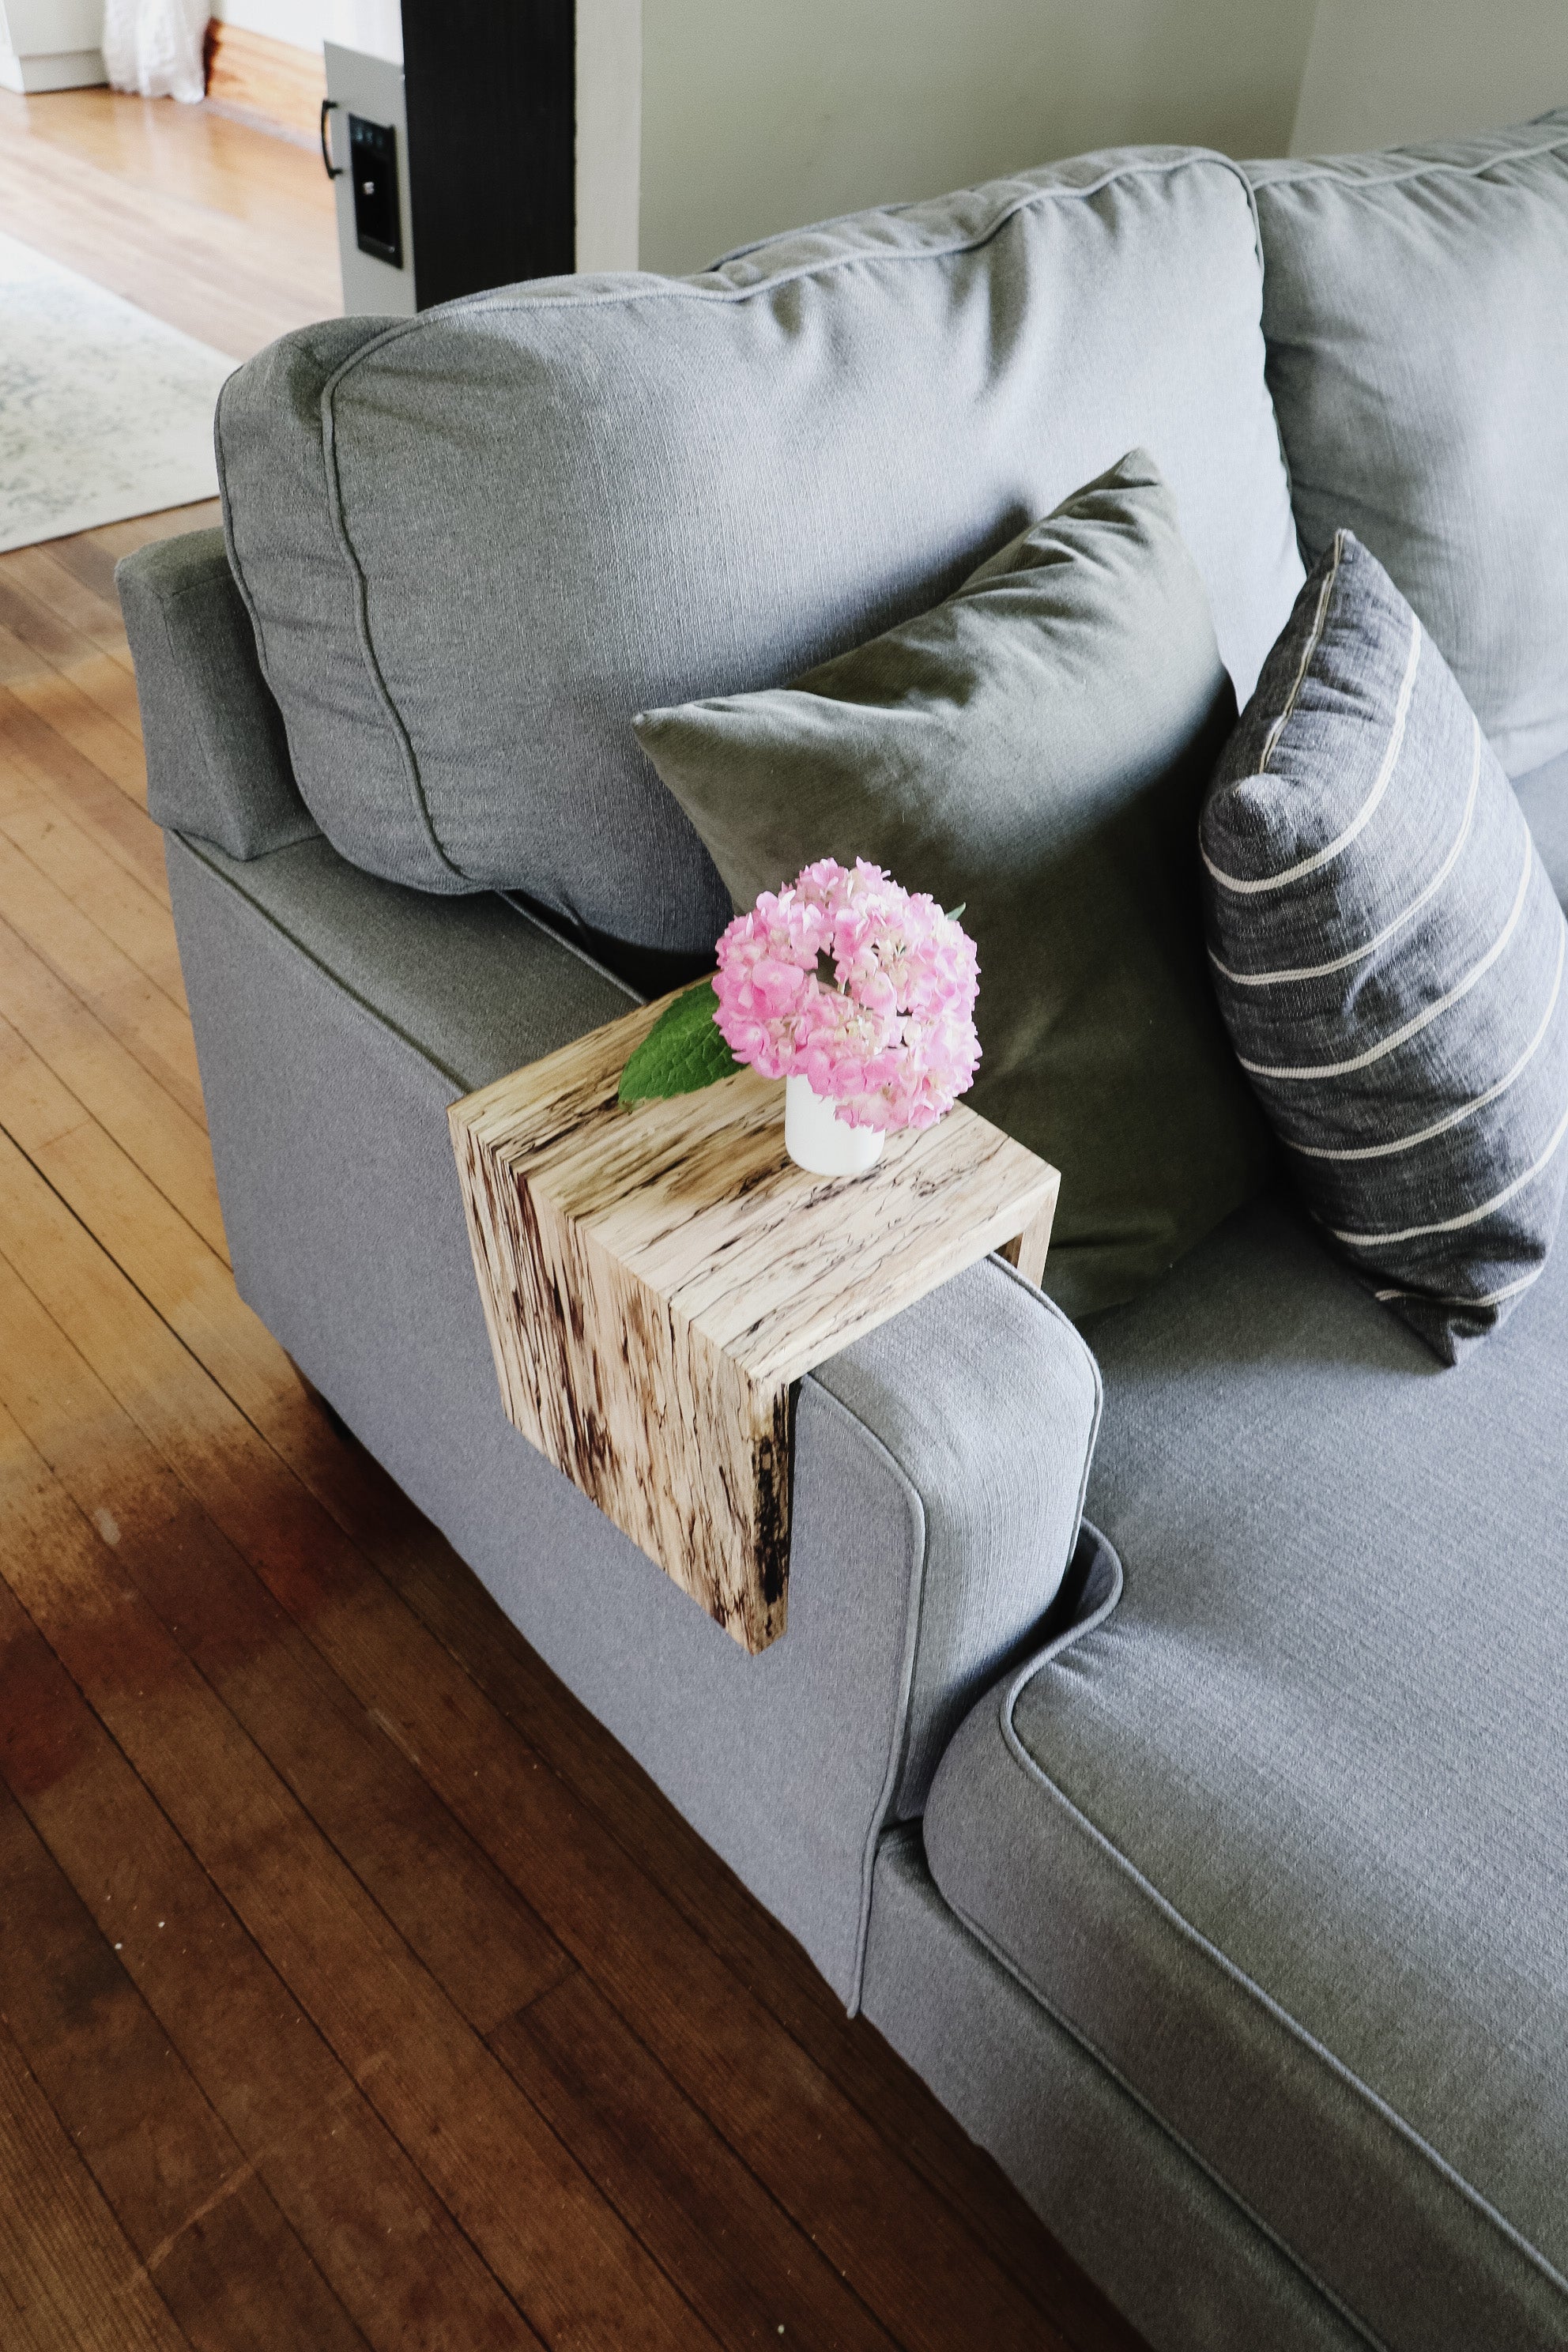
(681, 1052)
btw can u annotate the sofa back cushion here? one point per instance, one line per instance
(475, 542)
(1415, 305)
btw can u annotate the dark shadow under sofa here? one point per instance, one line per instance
(1167, 1750)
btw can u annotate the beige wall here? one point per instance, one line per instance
(704, 124)
(760, 114)
(1380, 71)
(610, 133)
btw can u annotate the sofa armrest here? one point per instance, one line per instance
(940, 1461)
(985, 1403)
(961, 1433)
(218, 759)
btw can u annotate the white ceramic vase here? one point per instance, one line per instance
(818, 1141)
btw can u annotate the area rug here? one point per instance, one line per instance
(104, 412)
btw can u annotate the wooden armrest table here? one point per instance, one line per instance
(656, 1280)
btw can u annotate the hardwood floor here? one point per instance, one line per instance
(204, 221)
(357, 1990)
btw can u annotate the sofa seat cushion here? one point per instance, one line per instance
(473, 543)
(1415, 305)
(1282, 1838)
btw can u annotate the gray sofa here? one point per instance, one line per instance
(1208, 1854)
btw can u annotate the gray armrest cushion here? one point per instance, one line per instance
(987, 1401)
(217, 760)
(959, 1435)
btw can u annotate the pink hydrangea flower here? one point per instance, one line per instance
(865, 990)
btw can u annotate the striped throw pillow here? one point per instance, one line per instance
(1389, 958)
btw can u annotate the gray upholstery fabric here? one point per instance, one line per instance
(1132, 2207)
(474, 544)
(939, 1463)
(1415, 305)
(474, 987)
(995, 1483)
(1544, 796)
(218, 763)
(1036, 747)
(1282, 1838)
(1389, 956)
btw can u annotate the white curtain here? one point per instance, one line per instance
(154, 46)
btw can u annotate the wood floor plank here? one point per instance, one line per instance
(171, 1266)
(556, 2245)
(449, 1599)
(33, 1102)
(183, 151)
(153, 1031)
(915, 2262)
(155, 1133)
(198, 2215)
(17, 659)
(463, 1617)
(230, 282)
(112, 900)
(39, 650)
(740, 2260)
(58, 614)
(60, 704)
(46, 760)
(53, 587)
(106, 683)
(66, 2269)
(471, 1930)
(191, 1289)
(903, 2248)
(39, 640)
(197, 1429)
(46, 595)
(380, 2238)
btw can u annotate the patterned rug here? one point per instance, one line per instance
(104, 412)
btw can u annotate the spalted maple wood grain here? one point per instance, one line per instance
(655, 1282)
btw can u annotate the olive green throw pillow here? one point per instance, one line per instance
(1037, 746)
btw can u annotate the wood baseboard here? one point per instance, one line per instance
(267, 82)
